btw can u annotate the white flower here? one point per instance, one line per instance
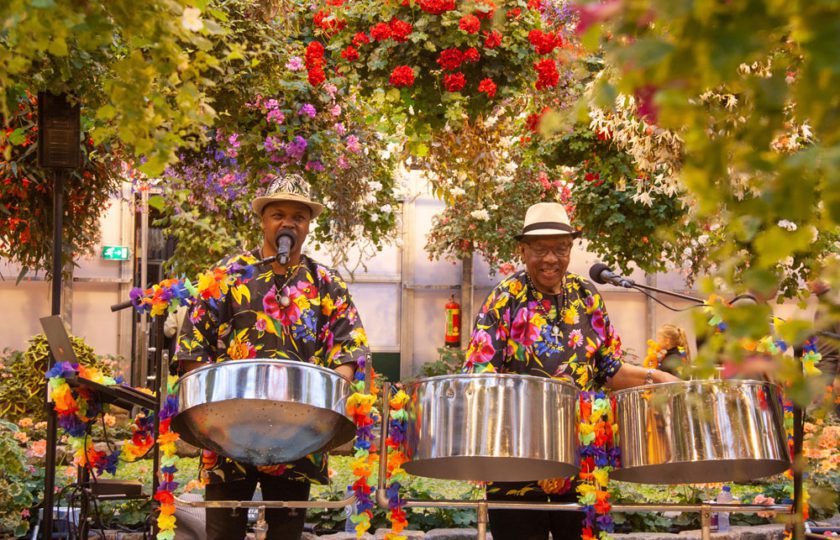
(385, 209)
(787, 225)
(703, 239)
(788, 261)
(374, 217)
(511, 167)
(191, 19)
(688, 252)
(457, 192)
(374, 185)
(482, 215)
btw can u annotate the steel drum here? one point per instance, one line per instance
(491, 427)
(701, 431)
(263, 411)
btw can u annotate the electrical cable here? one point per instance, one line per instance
(663, 304)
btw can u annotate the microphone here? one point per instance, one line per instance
(602, 274)
(285, 240)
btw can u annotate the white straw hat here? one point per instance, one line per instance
(546, 219)
(289, 187)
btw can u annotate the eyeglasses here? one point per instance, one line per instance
(559, 251)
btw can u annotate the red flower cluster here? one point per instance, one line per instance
(435, 7)
(450, 59)
(488, 87)
(544, 42)
(533, 120)
(327, 22)
(350, 54)
(492, 39)
(471, 55)
(490, 11)
(454, 82)
(402, 76)
(360, 39)
(315, 62)
(400, 30)
(380, 31)
(469, 24)
(547, 74)
(534, 5)
(514, 13)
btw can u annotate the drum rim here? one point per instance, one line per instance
(261, 361)
(696, 382)
(471, 376)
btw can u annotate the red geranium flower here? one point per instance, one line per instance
(327, 22)
(380, 32)
(450, 59)
(436, 7)
(514, 13)
(488, 87)
(350, 54)
(486, 14)
(534, 4)
(492, 39)
(471, 55)
(314, 55)
(400, 30)
(547, 74)
(469, 24)
(544, 42)
(316, 76)
(360, 39)
(454, 82)
(402, 76)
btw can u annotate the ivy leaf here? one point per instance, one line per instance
(157, 202)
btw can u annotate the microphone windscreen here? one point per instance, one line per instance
(288, 233)
(595, 273)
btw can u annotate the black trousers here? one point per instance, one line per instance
(283, 523)
(534, 524)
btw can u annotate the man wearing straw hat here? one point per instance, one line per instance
(547, 322)
(299, 310)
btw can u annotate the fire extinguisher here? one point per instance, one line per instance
(453, 323)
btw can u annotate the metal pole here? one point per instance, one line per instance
(483, 517)
(705, 522)
(52, 420)
(140, 368)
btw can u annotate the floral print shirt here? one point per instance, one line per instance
(305, 315)
(568, 337)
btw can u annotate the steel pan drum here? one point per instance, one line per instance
(701, 431)
(491, 427)
(263, 411)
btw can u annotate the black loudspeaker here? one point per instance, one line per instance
(59, 132)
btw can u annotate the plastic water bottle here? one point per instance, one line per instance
(724, 497)
(349, 510)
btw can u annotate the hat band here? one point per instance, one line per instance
(549, 225)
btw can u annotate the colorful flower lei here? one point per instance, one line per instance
(168, 463)
(654, 355)
(396, 459)
(77, 412)
(599, 454)
(361, 408)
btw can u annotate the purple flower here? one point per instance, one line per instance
(276, 116)
(295, 63)
(296, 148)
(353, 144)
(271, 104)
(314, 166)
(271, 144)
(307, 109)
(339, 128)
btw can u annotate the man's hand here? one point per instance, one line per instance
(629, 376)
(346, 371)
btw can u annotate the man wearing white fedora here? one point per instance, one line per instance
(547, 322)
(299, 310)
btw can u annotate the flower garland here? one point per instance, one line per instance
(599, 454)
(396, 459)
(77, 412)
(655, 352)
(361, 408)
(168, 463)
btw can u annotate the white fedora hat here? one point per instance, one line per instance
(289, 187)
(547, 219)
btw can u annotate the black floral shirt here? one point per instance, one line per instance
(306, 315)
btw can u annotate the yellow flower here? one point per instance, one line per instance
(515, 287)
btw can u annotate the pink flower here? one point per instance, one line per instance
(523, 330)
(595, 12)
(353, 144)
(260, 325)
(336, 110)
(270, 304)
(276, 116)
(339, 128)
(38, 449)
(507, 269)
(481, 349)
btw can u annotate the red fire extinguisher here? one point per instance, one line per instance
(453, 323)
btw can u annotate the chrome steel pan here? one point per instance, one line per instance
(491, 427)
(263, 411)
(701, 431)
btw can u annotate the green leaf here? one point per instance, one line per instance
(42, 4)
(17, 136)
(157, 202)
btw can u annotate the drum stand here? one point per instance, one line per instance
(482, 506)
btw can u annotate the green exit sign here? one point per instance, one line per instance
(115, 253)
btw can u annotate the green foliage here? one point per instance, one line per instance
(16, 479)
(22, 380)
(449, 362)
